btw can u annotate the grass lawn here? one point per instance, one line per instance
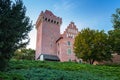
(44, 70)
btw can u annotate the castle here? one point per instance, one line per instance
(53, 46)
(50, 44)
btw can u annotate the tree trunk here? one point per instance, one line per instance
(91, 61)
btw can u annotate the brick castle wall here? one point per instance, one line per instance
(48, 31)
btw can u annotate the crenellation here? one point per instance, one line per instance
(49, 17)
(52, 20)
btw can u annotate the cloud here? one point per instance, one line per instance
(64, 5)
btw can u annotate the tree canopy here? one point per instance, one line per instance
(115, 33)
(23, 53)
(116, 19)
(14, 29)
(92, 45)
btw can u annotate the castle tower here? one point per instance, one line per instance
(48, 32)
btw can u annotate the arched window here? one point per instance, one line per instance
(45, 19)
(51, 21)
(48, 20)
(55, 22)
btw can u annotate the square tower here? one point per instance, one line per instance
(48, 31)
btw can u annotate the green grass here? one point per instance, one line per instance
(44, 70)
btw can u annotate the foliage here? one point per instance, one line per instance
(115, 34)
(23, 53)
(14, 27)
(51, 74)
(116, 19)
(42, 70)
(92, 45)
(11, 76)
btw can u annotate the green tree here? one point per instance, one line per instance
(14, 28)
(115, 34)
(23, 53)
(92, 45)
(116, 19)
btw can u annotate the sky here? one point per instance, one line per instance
(95, 14)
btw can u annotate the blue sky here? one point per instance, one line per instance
(95, 14)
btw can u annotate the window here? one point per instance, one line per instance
(45, 19)
(51, 21)
(55, 22)
(69, 51)
(68, 43)
(48, 20)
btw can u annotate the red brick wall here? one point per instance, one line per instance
(68, 35)
(48, 31)
(50, 34)
(63, 50)
(38, 41)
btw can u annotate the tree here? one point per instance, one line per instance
(23, 53)
(92, 45)
(115, 34)
(14, 29)
(116, 19)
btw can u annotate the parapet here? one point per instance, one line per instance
(49, 17)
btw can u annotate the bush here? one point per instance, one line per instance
(51, 74)
(46, 70)
(11, 76)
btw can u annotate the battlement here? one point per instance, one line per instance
(49, 17)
